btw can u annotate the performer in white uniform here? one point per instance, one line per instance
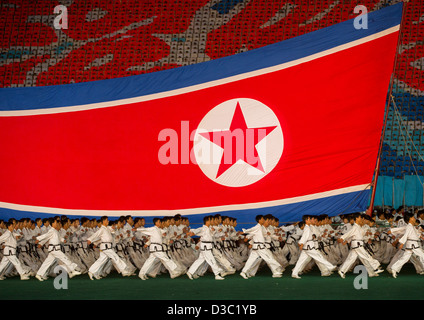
(309, 251)
(410, 241)
(157, 253)
(8, 240)
(55, 253)
(356, 237)
(104, 235)
(206, 245)
(259, 251)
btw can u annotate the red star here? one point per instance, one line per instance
(239, 142)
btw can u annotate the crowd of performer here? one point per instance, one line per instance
(172, 246)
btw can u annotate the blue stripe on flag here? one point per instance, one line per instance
(335, 205)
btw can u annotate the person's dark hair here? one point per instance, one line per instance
(268, 217)
(156, 220)
(367, 217)
(84, 219)
(206, 219)
(398, 218)
(388, 216)
(305, 217)
(259, 217)
(103, 219)
(355, 215)
(408, 216)
(9, 223)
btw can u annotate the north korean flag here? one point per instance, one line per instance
(288, 129)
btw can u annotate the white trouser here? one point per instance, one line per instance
(418, 263)
(52, 258)
(222, 260)
(395, 258)
(369, 262)
(306, 256)
(13, 260)
(404, 258)
(151, 262)
(208, 257)
(104, 257)
(252, 262)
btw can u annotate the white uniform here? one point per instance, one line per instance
(291, 249)
(356, 237)
(206, 256)
(53, 240)
(310, 252)
(104, 235)
(157, 254)
(411, 245)
(218, 250)
(9, 255)
(259, 251)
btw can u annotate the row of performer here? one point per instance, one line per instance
(98, 247)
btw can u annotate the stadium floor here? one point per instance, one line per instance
(407, 286)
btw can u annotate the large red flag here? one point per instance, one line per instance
(288, 129)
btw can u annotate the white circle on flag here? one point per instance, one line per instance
(238, 142)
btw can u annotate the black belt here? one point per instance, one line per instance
(358, 245)
(207, 249)
(229, 245)
(414, 247)
(158, 244)
(138, 246)
(308, 246)
(259, 244)
(10, 254)
(55, 247)
(271, 246)
(106, 245)
(180, 244)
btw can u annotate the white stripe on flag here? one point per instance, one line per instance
(204, 210)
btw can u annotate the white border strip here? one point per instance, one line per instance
(205, 210)
(202, 85)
